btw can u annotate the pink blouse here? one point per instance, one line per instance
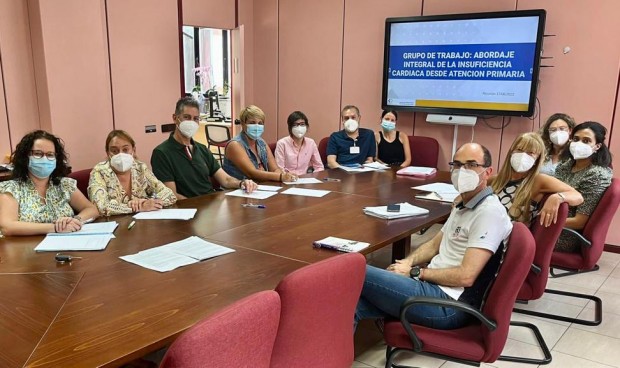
(298, 159)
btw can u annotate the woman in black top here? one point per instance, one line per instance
(392, 145)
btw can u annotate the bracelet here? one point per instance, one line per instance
(561, 197)
(77, 217)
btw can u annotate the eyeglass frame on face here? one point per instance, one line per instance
(562, 128)
(39, 154)
(469, 165)
(299, 124)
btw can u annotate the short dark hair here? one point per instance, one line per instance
(488, 161)
(602, 157)
(350, 107)
(183, 102)
(21, 156)
(293, 117)
(385, 112)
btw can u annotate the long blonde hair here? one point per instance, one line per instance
(520, 206)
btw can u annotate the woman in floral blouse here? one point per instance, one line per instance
(122, 184)
(39, 199)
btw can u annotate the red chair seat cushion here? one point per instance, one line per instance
(464, 343)
(567, 260)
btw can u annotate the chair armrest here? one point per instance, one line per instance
(584, 242)
(414, 300)
(536, 269)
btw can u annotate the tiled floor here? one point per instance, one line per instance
(571, 345)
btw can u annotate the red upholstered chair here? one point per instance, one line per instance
(241, 335)
(272, 147)
(318, 305)
(424, 151)
(592, 238)
(484, 339)
(536, 281)
(323, 150)
(82, 177)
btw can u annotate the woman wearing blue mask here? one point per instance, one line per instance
(392, 145)
(39, 199)
(247, 154)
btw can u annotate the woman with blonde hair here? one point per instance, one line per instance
(520, 186)
(248, 155)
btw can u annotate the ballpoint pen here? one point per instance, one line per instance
(253, 205)
(62, 258)
(131, 224)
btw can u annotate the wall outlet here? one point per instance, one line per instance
(150, 128)
(167, 128)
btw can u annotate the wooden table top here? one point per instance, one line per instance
(103, 311)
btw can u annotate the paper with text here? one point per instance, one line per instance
(167, 214)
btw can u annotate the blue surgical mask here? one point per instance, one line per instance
(254, 131)
(388, 125)
(41, 167)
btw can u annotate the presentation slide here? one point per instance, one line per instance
(482, 64)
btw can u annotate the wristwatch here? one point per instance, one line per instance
(415, 272)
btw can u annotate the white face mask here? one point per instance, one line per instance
(351, 125)
(465, 180)
(521, 162)
(121, 161)
(559, 137)
(299, 131)
(580, 150)
(188, 128)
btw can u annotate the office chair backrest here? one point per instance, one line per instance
(272, 147)
(217, 134)
(598, 224)
(241, 335)
(545, 238)
(503, 293)
(424, 151)
(323, 150)
(82, 177)
(318, 305)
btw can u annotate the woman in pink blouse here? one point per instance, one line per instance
(298, 153)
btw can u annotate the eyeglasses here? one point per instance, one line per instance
(39, 154)
(562, 129)
(299, 125)
(470, 165)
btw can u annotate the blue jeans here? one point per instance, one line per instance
(384, 292)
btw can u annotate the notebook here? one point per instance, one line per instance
(416, 171)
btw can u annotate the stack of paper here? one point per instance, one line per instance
(343, 245)
(438, 192)
(306, 192)
(377, 166)
(181, 253)
(90, 237)
(257, 194)
(416, 171)
(268, 188)
(355, 169)
(406, 210)
(303, 181)
(167, 214)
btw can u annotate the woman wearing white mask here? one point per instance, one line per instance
(248, 155)
(392, 145)
(555, 134)
(297, 153)
(520, 186)
(39, 199)
(586, 168)
(122, 184)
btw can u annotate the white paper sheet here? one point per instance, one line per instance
(406, 210)
(304, 181)
(343, 245)
(377, 166)
(417, 171)
(92, 229)
(355, 169)
(257, 194)
(177, 254)
(269, 188)
(167, 214)
(443, 197)
(437, 188)
(306, 192)
(74, 243)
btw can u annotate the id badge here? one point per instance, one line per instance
(354, 150)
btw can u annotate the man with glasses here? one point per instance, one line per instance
(462, 258)
(186, 166)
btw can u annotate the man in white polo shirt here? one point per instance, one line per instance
(463, 256)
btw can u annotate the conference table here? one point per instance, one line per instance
(103, 311)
